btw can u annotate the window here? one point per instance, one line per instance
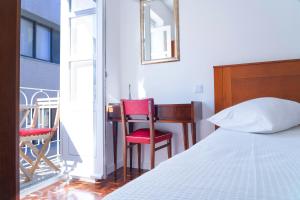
(83, 4)
(26, 38)
(39, 41)
(43, 41)
(55, 46)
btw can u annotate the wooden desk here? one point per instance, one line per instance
(165, 113)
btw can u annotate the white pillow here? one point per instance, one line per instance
(261, 115)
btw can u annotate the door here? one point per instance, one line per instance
(81, 82)
(161, 42)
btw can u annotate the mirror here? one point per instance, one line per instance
(159, 31)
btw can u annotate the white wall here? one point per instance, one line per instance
(212, 33)
(113, 71)
(39, 74)
(113, 51)
(47, 9)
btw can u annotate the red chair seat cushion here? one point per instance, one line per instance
(34, 131)
(142, 136)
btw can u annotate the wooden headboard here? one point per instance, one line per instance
(237, 83)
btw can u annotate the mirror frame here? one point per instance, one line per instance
(177, 41)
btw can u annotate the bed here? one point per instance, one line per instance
(232, 165)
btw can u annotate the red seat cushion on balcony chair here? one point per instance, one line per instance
(142, 136)
(34, 131)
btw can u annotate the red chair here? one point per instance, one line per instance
(142, 111)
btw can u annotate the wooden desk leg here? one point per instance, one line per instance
(130, 153)
(139, 157)
(115, 146)
(185, 135)
(130, 149)
(194, 133)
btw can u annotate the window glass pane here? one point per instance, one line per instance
(43, 39)
(26, 38)
(78, 5)
(83, 37)
(56, 47)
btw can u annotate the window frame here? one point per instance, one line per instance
(34, 23)
(33, 35)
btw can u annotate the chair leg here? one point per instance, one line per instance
(27, 159)
(152, 155)
(25, 172)
(130, 158)
(46, 160)
(170, 148)
(125, 161)
(24, 156)
(130, 129)
(40, 156)
(139, 156)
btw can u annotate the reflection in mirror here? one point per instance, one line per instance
(159, 31)
(78, 5)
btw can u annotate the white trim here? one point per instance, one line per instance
(100, 94)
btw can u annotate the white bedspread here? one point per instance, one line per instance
(227, 165)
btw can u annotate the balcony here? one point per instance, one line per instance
(28, 97)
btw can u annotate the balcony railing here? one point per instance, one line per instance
(28, 97)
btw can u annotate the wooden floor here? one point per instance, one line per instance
(83, 190)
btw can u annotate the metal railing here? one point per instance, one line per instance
(28, 97)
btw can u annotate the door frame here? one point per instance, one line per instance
(100, 105)
(9, 91)
(9, 104)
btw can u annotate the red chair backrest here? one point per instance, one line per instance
(138, 107)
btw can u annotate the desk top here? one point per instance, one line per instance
(166, 113)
